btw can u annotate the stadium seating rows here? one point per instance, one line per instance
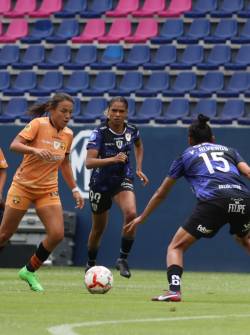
(162, 112)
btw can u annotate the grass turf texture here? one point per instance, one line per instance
(220, 299)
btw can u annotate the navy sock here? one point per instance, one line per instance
(126, 245)
(92, 255)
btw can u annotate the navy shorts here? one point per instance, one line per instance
(102, 201)
(209, 216)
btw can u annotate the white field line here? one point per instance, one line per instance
(68, 329)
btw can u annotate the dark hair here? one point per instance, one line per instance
(44, 107)
(118, 99)
(200, 131)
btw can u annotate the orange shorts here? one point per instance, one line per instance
(20, 198)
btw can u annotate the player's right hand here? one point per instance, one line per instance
(120, 158)
(133, 224)
(43, 154)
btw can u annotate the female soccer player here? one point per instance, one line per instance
(45, 143)
(213, 170)
(112, 178)
(3, 176)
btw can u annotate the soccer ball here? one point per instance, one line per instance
(98, 279)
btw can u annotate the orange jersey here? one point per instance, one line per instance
(37, 174)
(3, 163)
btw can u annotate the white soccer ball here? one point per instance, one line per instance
(98, 279)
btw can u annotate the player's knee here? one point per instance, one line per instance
(57, 237)
(129, 216)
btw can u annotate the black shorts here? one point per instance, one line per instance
(209, 216)
(102, 201)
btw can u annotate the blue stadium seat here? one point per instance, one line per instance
(77, 82)
(164, 56)
(41, 30)
(228, 8)
(244, 35)
(192, 55)
(245, 12)
(198, 30)
(206, 107)
(138, 55)
(156, 83)
(149, 110)
(97, 8)
(33, 55)
(201, 8)
(241, 60)
(4, 80)
(91, 111)
(112, 55)
(130, 82)
(85, 56)
(72, 8)
(8, 54)
(219, 55)
(174, 111)
(245, 118)
(59, 55)
(50, 82)
(24, 82)
(13, 110)
(210, 83)
(171, 30)
(232, 110)
(66, 30)
(77, 107)
(184, 83)
(225, 30)
(103, 83)
(238, 83)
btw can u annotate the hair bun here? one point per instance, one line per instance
(202, 120)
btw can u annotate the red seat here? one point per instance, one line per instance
(94, 29)
(5, 6)
(146, 29)
(120, 29)
(124, 8)
(47, 8)
(17, 28)
(176, 8)
(150, 7)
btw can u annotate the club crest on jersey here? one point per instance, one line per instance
(57, 144)
(119, 144)
(128, 137)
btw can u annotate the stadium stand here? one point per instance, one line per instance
(178, 52)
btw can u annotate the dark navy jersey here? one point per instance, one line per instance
(212, 171)
(109, 144)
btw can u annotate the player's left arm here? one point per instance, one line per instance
(67, 174)
(244, 168)
(138, 147)
(159, 195)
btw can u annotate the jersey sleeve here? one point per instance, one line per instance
(176, 169)
(137, 135)
(238, 158)
(30, 130)
(94, 140)
(3, 163)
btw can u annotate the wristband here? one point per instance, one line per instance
(75, 189)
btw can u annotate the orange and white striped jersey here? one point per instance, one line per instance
(37, 174)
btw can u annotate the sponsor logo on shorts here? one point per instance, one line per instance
(54, 194)
(246, 227)
(236, 207)
(16, 199)
(204, 230)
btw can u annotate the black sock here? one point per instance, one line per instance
(92, 255)
(126, 245)
(38, 258)
(174, 273)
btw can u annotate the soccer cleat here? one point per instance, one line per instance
(122, 266)
(168, 296)
(30, 278)
(87, 267)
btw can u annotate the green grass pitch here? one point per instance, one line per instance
(213, 303)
